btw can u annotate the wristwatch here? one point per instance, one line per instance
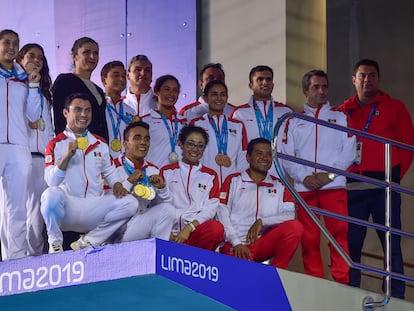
(331, 176)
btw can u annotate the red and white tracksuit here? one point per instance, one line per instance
(154, 218)
(38, 141)
(160, 139)
(75, 199)
(17, 104)
(199, 108)
(141, 104)
(243, 201)
(236, 145)
(128, 111)
(323, 145)
(194, 191)
(246, 114)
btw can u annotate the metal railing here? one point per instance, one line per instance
(389, 186)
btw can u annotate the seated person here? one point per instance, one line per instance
(258, 219)
(155, 217)
(76, 160)
(194, 191)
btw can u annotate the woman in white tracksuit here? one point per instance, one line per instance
(40, 133)
(19, 101)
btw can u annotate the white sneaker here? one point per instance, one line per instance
(82, 242)
(55, 248)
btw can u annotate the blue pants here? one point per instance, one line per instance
(362, 204)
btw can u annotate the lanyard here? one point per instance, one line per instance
(173, 136)
(112, 111)
(265, 125)
(42, 103)
(130, 170)
(371, 114)
(222, 136)
(8, 74)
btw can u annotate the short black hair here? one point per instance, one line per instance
(73, 96)
(312, 73)
(108, 66)
(210, 84)
(259, 69)
(256, 141)
(161, 80)
(211, 65)
(189, 129)
(366, 62)
(132, 125)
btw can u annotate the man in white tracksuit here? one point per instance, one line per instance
(155, 217)
(257, 212)
(318, 188)
(262, 112)
(140, 96)
(76, 160)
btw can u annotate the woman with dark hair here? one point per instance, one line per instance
(32, 57)
(85, 55)
(19, 102)
(164, 122)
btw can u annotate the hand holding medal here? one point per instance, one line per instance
(143, 188)
(33, 71)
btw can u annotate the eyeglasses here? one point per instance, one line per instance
(190, 144)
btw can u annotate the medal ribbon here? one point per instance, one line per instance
(42, 103)
(8, 74)
(130, 170)
(265, 125)
(173, 136)
(119, 116)
(222, 136)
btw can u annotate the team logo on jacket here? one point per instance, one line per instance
(233, 132)
(332, 120)
(97, 154)
(272, 192)
(202, 186)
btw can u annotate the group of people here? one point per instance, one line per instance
(120, 168)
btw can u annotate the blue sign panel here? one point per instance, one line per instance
(240, 284)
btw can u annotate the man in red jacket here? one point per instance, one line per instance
(374, 111)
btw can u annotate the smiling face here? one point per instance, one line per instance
(217, 98)
(366, 81)
(137, 144)
(168, 94)
(260, 159)
(79, 115)
(86, 58)
(115, 81)
(140, 75)
(33, 59)
(9, 47)
(262, 85)
(193, 148)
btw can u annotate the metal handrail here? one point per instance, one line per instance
(387, 184)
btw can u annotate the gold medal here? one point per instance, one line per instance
(139, 190)
(82, 142)
(147, 193)
(116, 145)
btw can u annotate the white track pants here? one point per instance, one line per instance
(100, 216)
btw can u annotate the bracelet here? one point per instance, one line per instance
(192, 226)
(34, 85)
